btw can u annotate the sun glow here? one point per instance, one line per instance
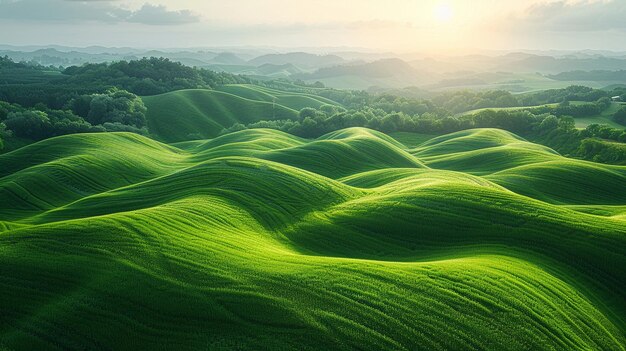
(443, 13)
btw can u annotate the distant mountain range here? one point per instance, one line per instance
(299, 59)
(515, 71)
(377, 69)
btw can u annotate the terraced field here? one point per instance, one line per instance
(200, 113)
(477, 240)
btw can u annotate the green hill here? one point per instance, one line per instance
(296, 101)
(199, 114)
(561, 181)
(477, 240)
(482, 151)
(194, 114)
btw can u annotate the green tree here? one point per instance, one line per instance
(3, 133)
(548, 124)
(390, 123)
(115, 106)
(604, 102)
(567, 124)
(29, 124)
(307, 112)
(620, 116)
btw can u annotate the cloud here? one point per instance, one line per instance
(93, 10)
(46, 10)
(159, 14)
(578, 16)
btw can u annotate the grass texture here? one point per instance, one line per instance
(477, 240)
(195, 114)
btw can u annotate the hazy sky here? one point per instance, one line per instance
(399, 25)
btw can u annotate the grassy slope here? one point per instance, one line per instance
(177, 115)
(296, 101)
(471, 112)
(605, 118)
(481, 151)
(527, 82)
(350, 241)
(13, 143)
(190, 114)
(411, 140)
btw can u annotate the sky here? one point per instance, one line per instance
(402, 26)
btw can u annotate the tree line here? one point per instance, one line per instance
(596, 142)
(112, 111)
(38, 102)
(28, 85)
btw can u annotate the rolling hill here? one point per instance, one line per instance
(198, 113)
(477, 240)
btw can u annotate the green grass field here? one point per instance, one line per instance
(476, 240)
(296, 101)
(605, 118)
(471, 112)
(411, 140)
(198, 114)
(523, 83)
